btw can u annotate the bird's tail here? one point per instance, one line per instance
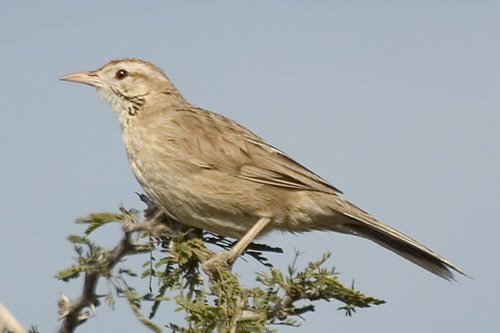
(362, 224)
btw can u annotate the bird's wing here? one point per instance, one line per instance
(213, 141)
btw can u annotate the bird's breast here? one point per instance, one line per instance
(210, 198)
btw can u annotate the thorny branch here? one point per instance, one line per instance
(228, 306)
(155, 223)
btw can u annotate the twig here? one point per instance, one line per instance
(73, 310)
(237, 315)
(280, 311)
(155, 223)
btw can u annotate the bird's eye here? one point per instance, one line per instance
(121, 74)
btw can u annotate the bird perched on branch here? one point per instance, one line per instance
(209, 172)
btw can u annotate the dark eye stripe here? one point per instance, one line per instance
(121, 74)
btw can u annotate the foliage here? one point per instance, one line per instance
(173, 268)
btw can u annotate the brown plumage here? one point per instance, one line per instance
(207, 171)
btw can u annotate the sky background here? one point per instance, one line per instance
(394, 102)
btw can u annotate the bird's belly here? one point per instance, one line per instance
(215, 201)
(203, 201)
(208, 213)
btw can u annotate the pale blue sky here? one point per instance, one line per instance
(394, 102)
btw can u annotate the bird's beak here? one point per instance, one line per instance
(90, 78)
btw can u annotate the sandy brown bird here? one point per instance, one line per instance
(207, 171)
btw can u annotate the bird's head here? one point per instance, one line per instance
(128, 85)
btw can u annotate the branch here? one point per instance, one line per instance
(72, 311)
(155, 223)
(225, 305)
(280, 311)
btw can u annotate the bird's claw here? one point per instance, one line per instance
(223, 259)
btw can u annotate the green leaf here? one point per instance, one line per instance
(73, 272)
(97, 220)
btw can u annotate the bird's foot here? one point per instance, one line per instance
(223, 259)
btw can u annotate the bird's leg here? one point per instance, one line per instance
(251, 234)
(227, 258)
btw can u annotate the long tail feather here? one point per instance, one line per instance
(363, 224)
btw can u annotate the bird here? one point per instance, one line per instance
(209, 172)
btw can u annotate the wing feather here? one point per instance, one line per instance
(219, 143)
